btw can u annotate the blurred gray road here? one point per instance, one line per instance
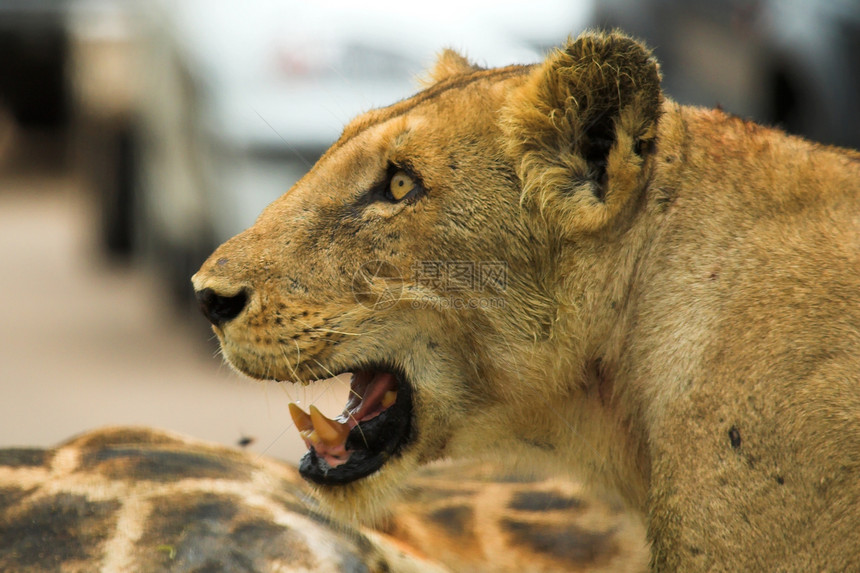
(84, 344)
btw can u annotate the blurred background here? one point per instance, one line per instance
(137, 135)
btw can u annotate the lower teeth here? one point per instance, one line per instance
(389, 398)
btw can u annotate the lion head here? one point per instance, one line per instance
(425, 255)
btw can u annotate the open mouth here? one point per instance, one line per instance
(375, 424)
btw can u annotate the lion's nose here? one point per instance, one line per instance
(220, 308)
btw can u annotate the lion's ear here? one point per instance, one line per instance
(449, 63)
(580, 127)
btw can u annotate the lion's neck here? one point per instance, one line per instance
(566, 415)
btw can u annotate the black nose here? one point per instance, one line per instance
(220, 309)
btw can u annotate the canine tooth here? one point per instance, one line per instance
(300, 418)
(330, 432)
(389, 398)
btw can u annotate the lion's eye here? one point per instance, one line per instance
(401, 185)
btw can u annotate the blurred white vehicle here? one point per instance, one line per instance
(239, 99)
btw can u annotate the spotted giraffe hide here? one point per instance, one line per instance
(132, 499)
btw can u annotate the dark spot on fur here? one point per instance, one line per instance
(457, 520)
(429, 495)
(297, 286)
(23, 457)
(58, 530)
(161, 465)
(695, 550)
(566, 542)
(218, 532)
(174, 514)
(10, 496)
(122, 436)
(735, 437)
(780, 480)
(210, 532)
(544, 501)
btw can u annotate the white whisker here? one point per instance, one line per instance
(327, 371)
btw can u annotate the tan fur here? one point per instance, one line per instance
(449, 64)
(680, 321)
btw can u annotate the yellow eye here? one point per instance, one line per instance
(400, 186)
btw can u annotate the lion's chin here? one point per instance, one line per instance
(367, 501)
(374, 427)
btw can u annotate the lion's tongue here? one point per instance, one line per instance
(371, 393)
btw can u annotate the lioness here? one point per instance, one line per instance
(560, 264)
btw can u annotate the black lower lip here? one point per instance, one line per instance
(372, 444)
